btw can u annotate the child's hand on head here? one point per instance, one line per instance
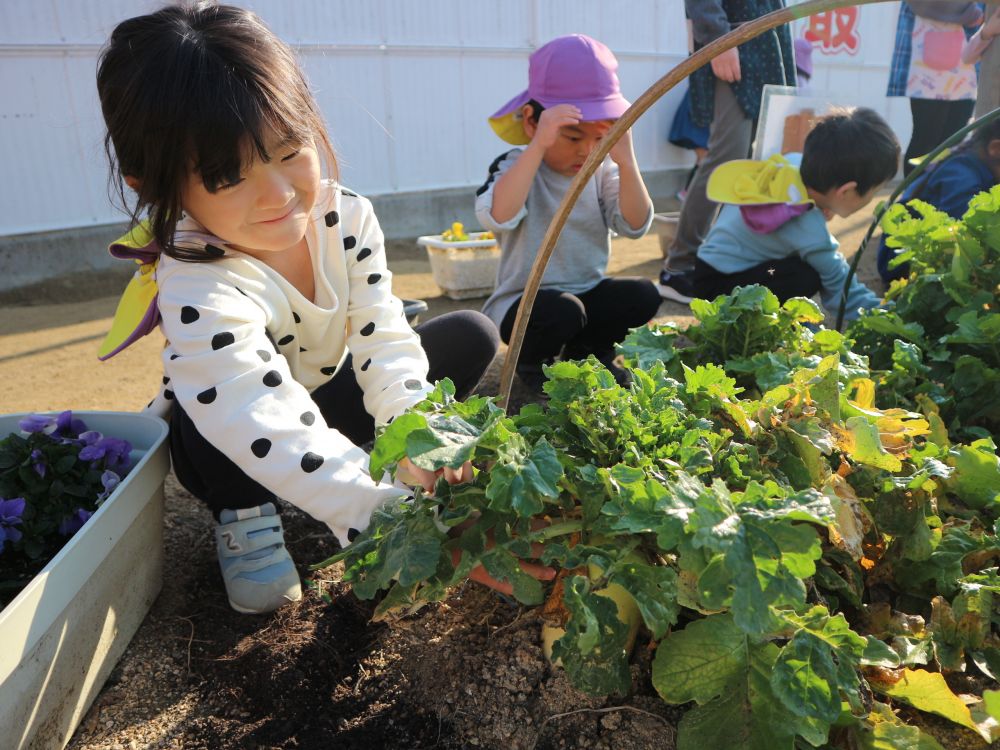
(552, 120)
(621, 153)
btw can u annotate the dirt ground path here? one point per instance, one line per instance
(316, 675)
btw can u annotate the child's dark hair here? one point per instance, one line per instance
(985, 133)
(850, 145)
(198, 86)
(536, 109)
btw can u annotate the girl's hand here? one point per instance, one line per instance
(414, 476)
(551, 120)
(727, 66)
(621, 153)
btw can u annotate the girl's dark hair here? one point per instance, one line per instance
(850, 145)
(198, 86)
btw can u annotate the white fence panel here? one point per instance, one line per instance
(406, 87)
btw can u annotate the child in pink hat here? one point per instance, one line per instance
(571, 102)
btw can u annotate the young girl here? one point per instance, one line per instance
(263, 276)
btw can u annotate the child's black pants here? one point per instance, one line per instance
(787, 278)
(588, 323)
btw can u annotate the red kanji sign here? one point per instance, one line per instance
(835, 31)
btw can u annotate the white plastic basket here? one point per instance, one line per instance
(465, 269)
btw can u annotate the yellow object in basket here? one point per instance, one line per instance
(455, 234)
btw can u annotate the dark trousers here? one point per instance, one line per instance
(934, 120)
(787, 278)
(588, 323)
(459, 345)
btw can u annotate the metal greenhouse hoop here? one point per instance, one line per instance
(737, 36)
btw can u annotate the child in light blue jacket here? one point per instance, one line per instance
(772, 229)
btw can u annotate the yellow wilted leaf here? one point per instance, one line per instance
(864, 394)
(848, 531)
(927, 691)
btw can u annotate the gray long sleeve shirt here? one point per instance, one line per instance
(580, 258)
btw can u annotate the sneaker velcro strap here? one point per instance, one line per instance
(234, 539)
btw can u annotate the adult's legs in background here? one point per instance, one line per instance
(729, 138)
(934, 120)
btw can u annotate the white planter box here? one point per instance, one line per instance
(463, 270)
(67, 629)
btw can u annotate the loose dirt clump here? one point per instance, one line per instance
(476, 661)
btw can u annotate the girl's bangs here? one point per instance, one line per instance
(224, 141)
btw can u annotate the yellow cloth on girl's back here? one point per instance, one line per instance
(745, 182)
(136, 313)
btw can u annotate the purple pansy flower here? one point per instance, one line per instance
(69, 426)
(109, 480)
(36, 423)
(72, 524)
(38, 462)
(61, 428)
(114, 451)
(10, 516)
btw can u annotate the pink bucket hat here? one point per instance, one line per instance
(572, 69)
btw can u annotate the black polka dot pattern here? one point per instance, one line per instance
(221, 340)
(264, 355)
(374, 278)
(214, 251)
(174, 356)
(260, 447)
(272, 379)
(366, 365)
(365, 252)
(328, 370)
(311, 461)
(350, 241)
(368, 330)
(352, 534)
(296, 318)
(189, 314)
(165, 380)
(286, 340)
(307, 418)
(412, 384)
(332, 218)
(302, 349)
(168, 395)
(207, 396)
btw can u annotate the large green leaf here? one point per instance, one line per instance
(702, 661)
(592, 650)
(524, 478)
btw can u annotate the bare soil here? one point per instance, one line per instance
(468, 672)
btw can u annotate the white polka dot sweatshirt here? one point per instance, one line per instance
(245, 349)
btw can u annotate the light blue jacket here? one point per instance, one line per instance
(731, 246)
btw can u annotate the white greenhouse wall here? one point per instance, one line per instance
(405, 85)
